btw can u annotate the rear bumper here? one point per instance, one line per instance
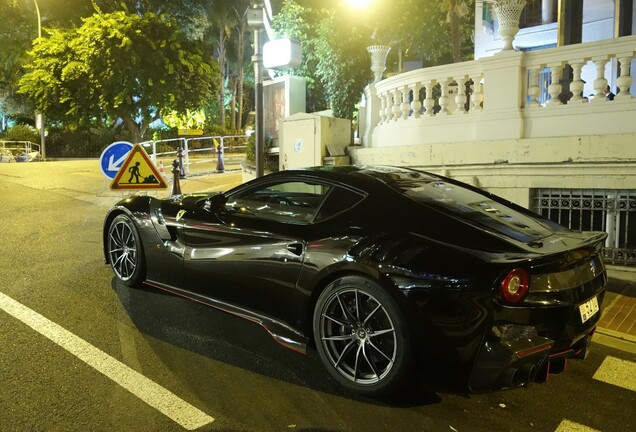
(504, 365)
(524, 344)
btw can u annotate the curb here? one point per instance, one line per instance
(615, 339)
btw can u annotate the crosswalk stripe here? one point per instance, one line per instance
(570, 426)
(153, 394)
(621, 373)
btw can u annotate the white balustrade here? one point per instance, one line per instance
(505, 96)
(592, 56)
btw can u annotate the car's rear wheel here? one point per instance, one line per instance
(362, 336)
(125, 251)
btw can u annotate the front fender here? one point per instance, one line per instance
(136, 207)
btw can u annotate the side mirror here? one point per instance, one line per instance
(215, 203)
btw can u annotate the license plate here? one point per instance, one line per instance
(588, 309)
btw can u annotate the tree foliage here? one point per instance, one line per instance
(119, 65)
(301, 24)
(343, 69)
(334, 40)
(126, 60)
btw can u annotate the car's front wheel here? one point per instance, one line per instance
(362, 336)
(125, 251)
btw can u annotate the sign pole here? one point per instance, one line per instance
(257, 59)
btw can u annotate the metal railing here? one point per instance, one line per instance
(197, 152)
(595, 210)
(19, 151)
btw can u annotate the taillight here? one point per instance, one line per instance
(515, 285)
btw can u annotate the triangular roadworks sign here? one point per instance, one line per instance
(138, 172)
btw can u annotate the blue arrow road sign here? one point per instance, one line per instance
(113, 157)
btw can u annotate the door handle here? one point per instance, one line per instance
(295, 248)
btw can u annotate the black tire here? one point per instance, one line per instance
(125, 251)
(362, 336)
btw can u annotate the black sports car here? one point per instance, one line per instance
(384, 269)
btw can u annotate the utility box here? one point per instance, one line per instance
(307, 136)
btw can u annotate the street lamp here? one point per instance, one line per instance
(360, 4)
(37, 10)
(256, 20)
(39, 117)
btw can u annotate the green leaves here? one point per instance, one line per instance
(119, 65)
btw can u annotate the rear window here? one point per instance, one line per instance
(473, 207)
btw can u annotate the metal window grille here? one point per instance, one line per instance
(612, 211)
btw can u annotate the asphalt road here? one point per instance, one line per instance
(208, 367)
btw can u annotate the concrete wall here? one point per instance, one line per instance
(511, 168)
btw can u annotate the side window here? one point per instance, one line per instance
(288, 202)
(339, 200)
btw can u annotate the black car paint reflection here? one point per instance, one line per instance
(382, 269)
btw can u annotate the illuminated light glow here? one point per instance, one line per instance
(360, 4)
(281, 54)
(179, 411)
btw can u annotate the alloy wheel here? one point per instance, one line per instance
(358, 336)
(122, 249)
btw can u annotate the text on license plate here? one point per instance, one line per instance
(588, 309)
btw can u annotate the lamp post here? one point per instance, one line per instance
(256, 21)
(37, 10)
(39, 117)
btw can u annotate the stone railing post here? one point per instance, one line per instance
(555, 88)
(443, 100)
(477, 97)
(416, 105)
(406, 106)
(461, 98)
(429, 102)
(533, 87)
(624, 81)
(577, 86)
(600, 83)
(374, 108)
(505, 79)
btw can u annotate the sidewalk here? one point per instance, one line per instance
(617, 327)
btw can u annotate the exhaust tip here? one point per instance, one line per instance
(510, 378)
(528, 373)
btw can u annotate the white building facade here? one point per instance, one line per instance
(532, 124)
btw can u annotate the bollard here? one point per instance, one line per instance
(220, 167)
(181, 169)
(176, 173)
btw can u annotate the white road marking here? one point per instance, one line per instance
(570, 426)
(617, 372)
(145, 389)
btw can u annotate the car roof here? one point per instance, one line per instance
(360, 176)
